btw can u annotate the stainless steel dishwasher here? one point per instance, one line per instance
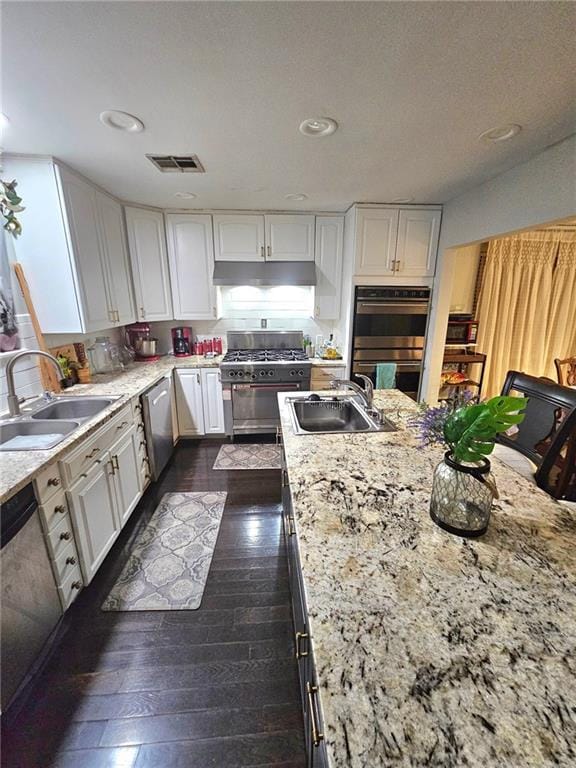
(157, 411)
(30, 604)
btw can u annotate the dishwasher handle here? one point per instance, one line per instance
(160, 396)
(16, 512)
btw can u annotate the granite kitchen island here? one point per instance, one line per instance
(431, 650)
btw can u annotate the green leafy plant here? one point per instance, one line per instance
(470, 431)
(10, 205)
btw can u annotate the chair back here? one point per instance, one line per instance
(547, 435)
(566, 371)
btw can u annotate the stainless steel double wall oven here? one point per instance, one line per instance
(390, 327)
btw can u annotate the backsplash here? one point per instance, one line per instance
(27, 372)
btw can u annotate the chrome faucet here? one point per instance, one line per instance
(367, 394)
(12, 398)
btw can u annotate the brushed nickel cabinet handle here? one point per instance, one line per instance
(262, 251)
(115, 462)
(76, 585)
(92, 453)
(66, 536)
(70, 561)
(55, 481)
(291, 529)
(311, 691)
(300, 654)
(268, 251)
(121, 426)
(142, 312)
(60, 508)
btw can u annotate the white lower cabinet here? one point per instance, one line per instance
(212, 401)
(92, 502)
(189, 405)
(125, 459)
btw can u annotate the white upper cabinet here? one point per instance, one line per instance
(212, 401)
(376, 231)
(191, 258)
(329, 237)
(147, 244)
(418, 232)
(73, 249)
(120, 296)
(238, 238)
(87, 246)
(189, 405)
(289, 237)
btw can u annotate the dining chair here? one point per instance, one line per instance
(566, 371)
(547, 436)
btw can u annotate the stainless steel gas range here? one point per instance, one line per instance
(257, 366)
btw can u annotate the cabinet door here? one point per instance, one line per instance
(92, 503)
(147, 245)
(212, 400)
(189, 404)
(238, 238)
(83, 224)
(329, 235)
(118, 268)
(376, 232)
(417, 243)
(191, 258)
(125, 458)
(289, 237)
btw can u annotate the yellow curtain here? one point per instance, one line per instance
(514, 306)
(561, 341)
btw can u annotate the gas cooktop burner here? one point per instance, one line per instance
(265, 356)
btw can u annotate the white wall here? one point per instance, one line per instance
(537, 192)
(466, 262)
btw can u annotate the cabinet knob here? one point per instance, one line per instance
(55, 481)
(70, 561)
(60, 508)
(66, 536)
(76, 585)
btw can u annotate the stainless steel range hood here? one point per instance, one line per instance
(264, 273)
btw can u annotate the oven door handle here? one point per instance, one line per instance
(278, 387)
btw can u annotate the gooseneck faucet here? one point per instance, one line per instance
(367, 394)
(12, 398)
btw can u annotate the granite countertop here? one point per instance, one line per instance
(17, 468)
(432, 649)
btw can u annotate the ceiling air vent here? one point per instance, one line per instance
(177, 163)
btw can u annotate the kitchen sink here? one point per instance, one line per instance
(334, 415)
(73, 408)
(28, 435)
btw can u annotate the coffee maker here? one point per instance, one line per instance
(182, 341)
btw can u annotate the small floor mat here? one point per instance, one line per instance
(248, 456)
(168, 568)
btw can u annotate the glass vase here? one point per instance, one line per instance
(462, 496)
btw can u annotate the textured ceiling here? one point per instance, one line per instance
(411, 84)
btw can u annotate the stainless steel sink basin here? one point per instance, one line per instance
(28, 435)
(334, 415)
(73, 408)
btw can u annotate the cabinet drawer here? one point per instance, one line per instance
(59, 537)
(65, 563)
(53, 511)
(48, 482)
(84, 457)
(69, 590)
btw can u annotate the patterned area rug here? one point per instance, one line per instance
(248, 456)
(168, 568)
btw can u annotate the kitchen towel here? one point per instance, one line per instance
(386, 376)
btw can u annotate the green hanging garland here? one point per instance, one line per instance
(10, 205)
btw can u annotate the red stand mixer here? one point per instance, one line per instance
(145, 347)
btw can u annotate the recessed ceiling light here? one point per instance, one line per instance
(121, 121)
(185, 195)
(296, 196)
(403, 200)
(318, 126)
(501, 133)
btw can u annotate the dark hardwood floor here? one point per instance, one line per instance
(181, 689)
